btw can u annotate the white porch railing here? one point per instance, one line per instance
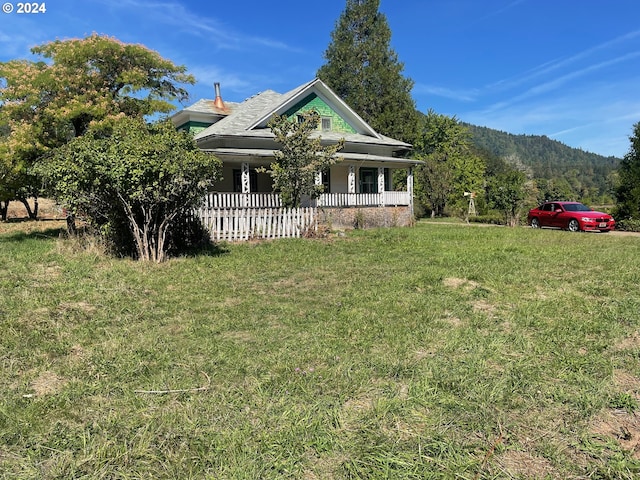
(336, 200)
(243, 200)
(362, 199)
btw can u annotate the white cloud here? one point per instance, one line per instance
(180, 18)
(460, 95)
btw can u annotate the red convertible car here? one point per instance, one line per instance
(572, 216)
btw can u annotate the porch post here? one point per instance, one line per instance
(410, 188)
(352, 179)
(381, 185)
(246, 184)
(351, 198)
(318, 181)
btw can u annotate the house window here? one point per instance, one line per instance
(237, 180)
(326, 124)
(368, 180)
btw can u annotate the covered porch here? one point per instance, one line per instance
(347, 184)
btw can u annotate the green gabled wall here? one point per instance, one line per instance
(313, 102)
(194, 127)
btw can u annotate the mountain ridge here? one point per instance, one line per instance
(543, 158)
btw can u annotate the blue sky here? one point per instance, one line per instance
(567, 69)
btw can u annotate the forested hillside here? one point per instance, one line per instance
(588, 175)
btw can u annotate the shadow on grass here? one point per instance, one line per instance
(203, 248)
(208, 250)
(21, 236)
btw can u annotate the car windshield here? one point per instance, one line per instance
(576, 207)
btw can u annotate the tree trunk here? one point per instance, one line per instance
(71, 224)
(33, 214)
(4, 209)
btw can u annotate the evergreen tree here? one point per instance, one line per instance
(365, 72)
(628, 191)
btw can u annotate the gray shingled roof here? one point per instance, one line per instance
(248, 112)
(205, 105)
(243, 119)
(243, 115)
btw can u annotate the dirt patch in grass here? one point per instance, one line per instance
(453, 321)
(622, 427)
(47, 383)
(323, 465)
(627, 382)
(462, 283)
(84, 307)
(619, 424)
(629, 343)
(422, 354)
(484, 306)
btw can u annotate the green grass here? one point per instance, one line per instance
(440, 351)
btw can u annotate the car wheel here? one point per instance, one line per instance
(535, 223)
(573, 226)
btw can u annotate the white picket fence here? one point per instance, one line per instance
(245, 216)
(236, 224)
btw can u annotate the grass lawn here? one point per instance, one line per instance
(440, 351)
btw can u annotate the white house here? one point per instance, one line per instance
(359, 186)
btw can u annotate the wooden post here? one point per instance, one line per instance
(246, 184)
(381, 185)
(410, 189)
(352, 186)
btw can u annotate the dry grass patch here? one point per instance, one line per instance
(516, 464)
(460, 283)
(47, 383)
(484, 306)
(239, 336)
(84, 307)
(629, 343)
(452, 320)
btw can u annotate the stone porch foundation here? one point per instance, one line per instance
(365, 217)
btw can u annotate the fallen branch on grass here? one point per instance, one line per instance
(182, 390)
(491, 451)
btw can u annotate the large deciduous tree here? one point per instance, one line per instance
(506, 193)
(132, 181)
(451, 164)
(300, 158)
(628, 189)
(79, 82)
(365, 72)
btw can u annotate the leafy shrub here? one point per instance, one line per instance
(492, 219)
(628, 225)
